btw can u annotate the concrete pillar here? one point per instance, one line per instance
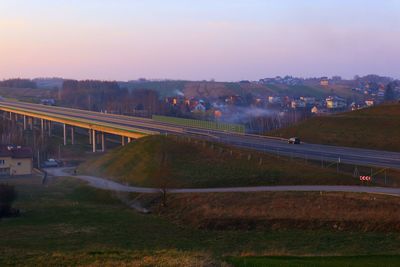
(103, 142)
(42, 127)
(129, 140)
(31, 123)
(90, 136)
(123, 140)
(65, 134)
(72, 135)
(10, 116)
(24, 122)
(94, 140)
(49, 128)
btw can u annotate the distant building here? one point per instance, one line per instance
(314, 110)
(319, 111)
(335, 102)
(309, 101)
(297, 104)
(370, 102)
(15, 160)
(200, 107)
(274, 100)
(324, 82)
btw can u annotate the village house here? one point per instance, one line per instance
(15, 160)
(298, 104)
(319, 111)
(370, 102)
(275, 100)
(335, 102)
(309, 101)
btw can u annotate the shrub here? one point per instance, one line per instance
(7, 196)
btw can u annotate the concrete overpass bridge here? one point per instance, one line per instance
(128, 128)
(97, 124)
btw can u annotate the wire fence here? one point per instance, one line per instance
(379, 176)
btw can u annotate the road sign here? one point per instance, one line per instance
(365, 178)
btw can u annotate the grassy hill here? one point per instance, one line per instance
(374, 128)
(202, 164)
(208, 89)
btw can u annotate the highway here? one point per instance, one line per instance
(124, 125)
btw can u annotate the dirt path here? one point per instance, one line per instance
(102, 183)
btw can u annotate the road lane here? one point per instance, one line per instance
(271, 145)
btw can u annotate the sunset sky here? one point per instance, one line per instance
(225, 40)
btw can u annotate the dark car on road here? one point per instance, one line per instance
(294, 140)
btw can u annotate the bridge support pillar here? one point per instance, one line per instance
(42, 127)
(123, 140)
(103, 143)
(49, 127)
(129, 140)
(31, 123)
(94, 140)
(65, 134)
(72, 135)
(10, 116)
(24, 122)
(90, 136)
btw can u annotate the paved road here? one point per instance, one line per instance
(105, 184)
(272, 145)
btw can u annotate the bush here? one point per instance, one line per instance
(7, 197)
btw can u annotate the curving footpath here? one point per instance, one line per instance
(105, 184)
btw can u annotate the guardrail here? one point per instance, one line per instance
(81, 122)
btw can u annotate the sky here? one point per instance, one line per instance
(225, 40)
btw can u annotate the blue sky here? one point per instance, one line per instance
(220, 39)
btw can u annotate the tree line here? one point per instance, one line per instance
(18, 83)
(106, 96)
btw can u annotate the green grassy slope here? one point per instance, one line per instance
(198, 164)
(67, 223)
(373, 128)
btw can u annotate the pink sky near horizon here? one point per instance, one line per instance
(190, 48)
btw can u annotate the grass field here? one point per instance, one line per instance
(66, 223)
(210, 125)
(373, 128)
(201, 164)
(366, 261)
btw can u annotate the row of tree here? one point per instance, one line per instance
(108, 97)
(18, 83)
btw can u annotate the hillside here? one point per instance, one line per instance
(27, 94)
(209, 89)
(372, 128)
(198, 164)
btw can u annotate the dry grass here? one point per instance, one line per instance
(163, 258)
(246, 211)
